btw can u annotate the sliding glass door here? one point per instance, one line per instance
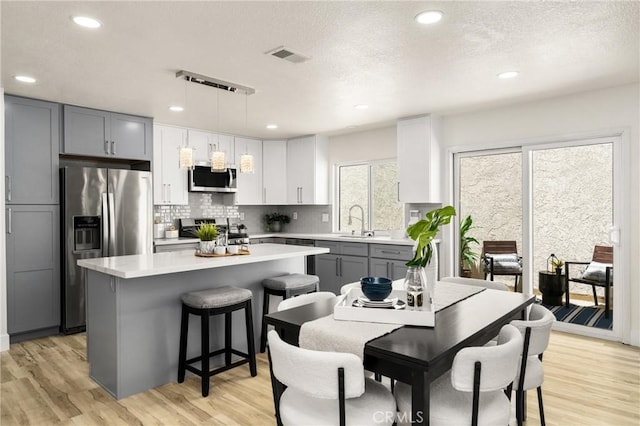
(555, 198)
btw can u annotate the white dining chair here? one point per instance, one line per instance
(327, 388)
(305, 299)
(494, 285)
(473, 391)
(536, 332)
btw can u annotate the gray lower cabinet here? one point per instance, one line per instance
(95, 133)
(32, 135)
(389, 261)
(346, 263)
(164, 248)
(33, 268)
(393, 269)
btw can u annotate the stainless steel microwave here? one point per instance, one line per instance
(202, 179)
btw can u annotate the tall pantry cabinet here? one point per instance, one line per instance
(32, 141)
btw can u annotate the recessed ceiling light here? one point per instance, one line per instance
(429, 17)
(25, 79)
(85, 21)
(176, 108)
(272, 126)
(508, 74)
(361, 106)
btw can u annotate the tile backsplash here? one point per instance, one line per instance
(309, 218)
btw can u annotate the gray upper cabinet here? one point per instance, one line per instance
(32, 134)
(33, 268)
(95, 133)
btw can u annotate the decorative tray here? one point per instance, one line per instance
(240, 253)
(350, 307)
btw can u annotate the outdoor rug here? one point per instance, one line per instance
(590, 316)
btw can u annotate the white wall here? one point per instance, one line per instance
(4, 337)
(587, 112)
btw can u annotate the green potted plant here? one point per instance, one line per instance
(423, 233)
(208, 233)
(274, 221)
(468, 257)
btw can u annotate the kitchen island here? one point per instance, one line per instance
(133, 309)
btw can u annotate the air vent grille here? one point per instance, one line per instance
(288, 55)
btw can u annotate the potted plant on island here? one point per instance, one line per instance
(274, 221)
(468, 257)
(208, 233)
(423, 233)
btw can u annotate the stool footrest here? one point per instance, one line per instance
(234, 364)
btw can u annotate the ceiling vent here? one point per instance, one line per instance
(288, 55)
(227, 86)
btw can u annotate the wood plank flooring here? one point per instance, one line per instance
(45, 382)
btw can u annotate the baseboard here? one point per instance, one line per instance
(4, 342)
(582, 330)
(634, 338)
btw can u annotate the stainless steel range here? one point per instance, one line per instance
(236, 233)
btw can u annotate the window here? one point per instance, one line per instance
(367, 196)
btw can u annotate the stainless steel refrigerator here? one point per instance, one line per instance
(105, 212)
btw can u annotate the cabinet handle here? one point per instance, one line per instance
(9, 221)
(398, 192)
(113, 147)
(106, 147)
(168, 192)
(301, 196)
(340, 266)
(8, 188)
(389, 252)
(337, 267)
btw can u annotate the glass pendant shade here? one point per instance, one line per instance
(246, 163)
(218, 161)
(186, 157)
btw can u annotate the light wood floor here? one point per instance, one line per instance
(45, 381)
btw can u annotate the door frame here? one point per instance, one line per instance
(621, 192)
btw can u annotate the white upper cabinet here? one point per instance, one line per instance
(307, 170)
(206, 142)
(250, 191)
(169, 180)
(418, 160)
(274, 173)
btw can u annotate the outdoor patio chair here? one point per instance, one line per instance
(599, 273)
(501, 258)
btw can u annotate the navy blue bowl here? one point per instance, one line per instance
(376, 288)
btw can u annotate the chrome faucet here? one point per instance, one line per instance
(361, 217)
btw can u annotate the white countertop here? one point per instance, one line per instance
(382, 239)
(145, 265)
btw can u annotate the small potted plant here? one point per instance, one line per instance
(208, 232)
(274, 221)
(468, 257)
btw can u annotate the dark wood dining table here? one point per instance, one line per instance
(418, 355)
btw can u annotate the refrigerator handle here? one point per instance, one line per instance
(8, 187)
(105, 225)
(112, 225)
(9, 230)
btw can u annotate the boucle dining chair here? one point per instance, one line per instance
(473, 391)
(536, 332)
(494, 285)
(305, 299)
(326, 388)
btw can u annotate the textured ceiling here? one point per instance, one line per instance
(361, 53)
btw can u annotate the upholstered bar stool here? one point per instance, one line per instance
(205, 303)
(285, 286)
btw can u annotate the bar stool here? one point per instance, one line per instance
(285, 286)
(215, 301)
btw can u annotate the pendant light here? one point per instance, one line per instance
(218, 158)
(185, 155)
(246, 159)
